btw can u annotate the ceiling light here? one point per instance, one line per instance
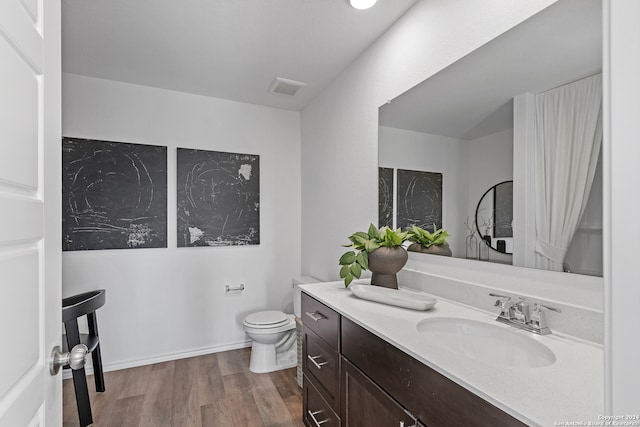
(362, 4)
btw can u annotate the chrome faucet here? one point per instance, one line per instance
(519, 314)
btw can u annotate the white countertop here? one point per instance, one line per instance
(569, 390)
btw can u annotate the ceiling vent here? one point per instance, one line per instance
(285, 87)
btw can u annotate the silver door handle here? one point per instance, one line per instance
(75, 358)
(313, 417)
(313, 360)
(316, 316)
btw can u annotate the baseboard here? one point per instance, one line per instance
(107, 367)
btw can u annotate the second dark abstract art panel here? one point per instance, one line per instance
(218, 198)
(419, 199)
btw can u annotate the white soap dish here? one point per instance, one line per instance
(396, 297)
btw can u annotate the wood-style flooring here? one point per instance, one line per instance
(214, 390)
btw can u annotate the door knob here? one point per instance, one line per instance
(75, 358)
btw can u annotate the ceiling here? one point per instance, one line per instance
(230, 49)
(472, 98)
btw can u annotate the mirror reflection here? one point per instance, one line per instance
(494, 219)
(524, 109)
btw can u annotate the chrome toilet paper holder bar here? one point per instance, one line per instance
(229, 288)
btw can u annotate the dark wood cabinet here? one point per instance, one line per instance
(430, 396)
(320, 364)
(352, 378)
(364, 404)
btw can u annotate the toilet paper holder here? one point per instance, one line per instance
(229, 288)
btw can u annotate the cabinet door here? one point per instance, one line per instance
(364, 404)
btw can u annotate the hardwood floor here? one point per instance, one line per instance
(215, 390)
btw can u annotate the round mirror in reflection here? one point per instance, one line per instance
(494, 216)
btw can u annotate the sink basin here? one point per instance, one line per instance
(490, 344)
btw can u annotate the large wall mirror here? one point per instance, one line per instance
(485, 130)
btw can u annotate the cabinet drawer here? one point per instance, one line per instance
(317, 412)
(321, 362)
(322, 320)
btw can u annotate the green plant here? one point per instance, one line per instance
(353, 262)
(426, 239)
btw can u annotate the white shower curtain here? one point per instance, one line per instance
(568, 139)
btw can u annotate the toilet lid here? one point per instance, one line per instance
(267, 319)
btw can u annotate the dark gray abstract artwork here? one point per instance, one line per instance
(218, 198)
(114, 195)
(385, 197)
(503, 209)
(419, 199)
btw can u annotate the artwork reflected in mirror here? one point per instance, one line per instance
(480, 123)
(385, 197)
(419, 200)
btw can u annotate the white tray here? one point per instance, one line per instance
(396, 297)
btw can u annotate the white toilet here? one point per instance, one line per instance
(274, 337)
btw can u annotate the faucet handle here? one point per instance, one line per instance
(538, 318)
(504, 304)
(537, 306)
(504, 297)
(520, 302)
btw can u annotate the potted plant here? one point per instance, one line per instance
(378, 250)
(431, 243)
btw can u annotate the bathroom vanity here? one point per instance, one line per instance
(368, 364)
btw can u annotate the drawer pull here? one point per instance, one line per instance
(313, 417)
(316, 316)
(313, 360)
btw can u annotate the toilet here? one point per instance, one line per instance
(274, 336)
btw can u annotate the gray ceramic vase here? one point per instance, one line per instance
(384, 263)
(443, 250)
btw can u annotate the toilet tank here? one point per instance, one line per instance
(297, 292)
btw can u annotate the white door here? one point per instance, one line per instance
(30, 245)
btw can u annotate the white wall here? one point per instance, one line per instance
(405, 149)
(490, 162)
(340, 128)
(170, 302)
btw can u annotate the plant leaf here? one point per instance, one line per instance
(360, 239)
(363, 260)
(373, 232)
(356, 270)
(371, 245)
(395, 238)
(344, 271)
(348, 280)
(347, 258)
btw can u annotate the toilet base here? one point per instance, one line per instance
(265, 359)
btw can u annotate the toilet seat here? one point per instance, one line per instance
(267, 320)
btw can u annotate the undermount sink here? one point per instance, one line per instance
(490, 344)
